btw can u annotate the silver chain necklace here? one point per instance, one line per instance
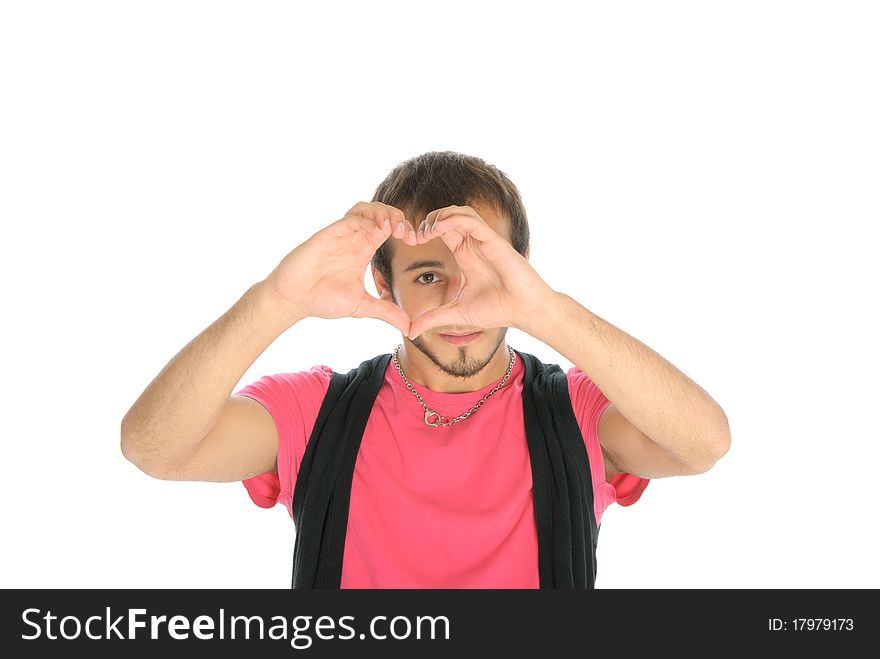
(446, 421)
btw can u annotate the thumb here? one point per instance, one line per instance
(372, 307)
(445, 315)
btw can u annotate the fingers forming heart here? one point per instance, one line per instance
(498, 285)
(475, 246)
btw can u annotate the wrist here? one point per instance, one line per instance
(542, 321)
(271, 305)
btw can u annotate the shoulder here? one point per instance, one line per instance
(587, 400)
(592, 409)
(308, 383)
(588, 404)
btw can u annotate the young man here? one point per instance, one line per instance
(455, 461)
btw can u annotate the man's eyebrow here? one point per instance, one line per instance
(424, 264)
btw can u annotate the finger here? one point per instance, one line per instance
(394, 214)
(371, 307)
(404, 231)
(465, 224)
(424, 226)
(421, 234)
(397, 218)
(449, 211)
(376, 231)
(400, 229)
(377, 211)
(446, 315)
(381, 215)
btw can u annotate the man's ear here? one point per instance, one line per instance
(528, 251)
(382, 287)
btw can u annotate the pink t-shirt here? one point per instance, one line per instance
(434, 507)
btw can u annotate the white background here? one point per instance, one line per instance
(702, 175)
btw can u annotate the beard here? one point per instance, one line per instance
(467, 363)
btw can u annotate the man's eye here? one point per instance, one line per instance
(427, 274)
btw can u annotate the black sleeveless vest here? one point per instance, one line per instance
(561, 482)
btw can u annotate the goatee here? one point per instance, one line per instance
(467, 364)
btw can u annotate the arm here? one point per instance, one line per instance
(659, 422)
(185, 426)
(167, 428)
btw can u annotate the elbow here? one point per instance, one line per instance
(135, 450)
(722, 439)
(132, 452)
(127, 443)
(130, 445)
(714, 446)
(151, 467)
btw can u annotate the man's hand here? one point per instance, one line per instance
(324, 276)
(499, 287)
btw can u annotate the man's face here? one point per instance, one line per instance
(425, 277)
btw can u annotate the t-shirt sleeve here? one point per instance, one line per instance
(588, 403)
(293, 400)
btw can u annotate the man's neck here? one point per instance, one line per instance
(420, 369)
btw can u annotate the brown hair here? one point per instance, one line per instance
(444, 178)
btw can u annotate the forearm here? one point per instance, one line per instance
(655, 396)
(184, 401)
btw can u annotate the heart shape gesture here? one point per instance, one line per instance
(499, 287)
(324, 276)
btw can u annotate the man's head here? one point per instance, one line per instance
(423, 277)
